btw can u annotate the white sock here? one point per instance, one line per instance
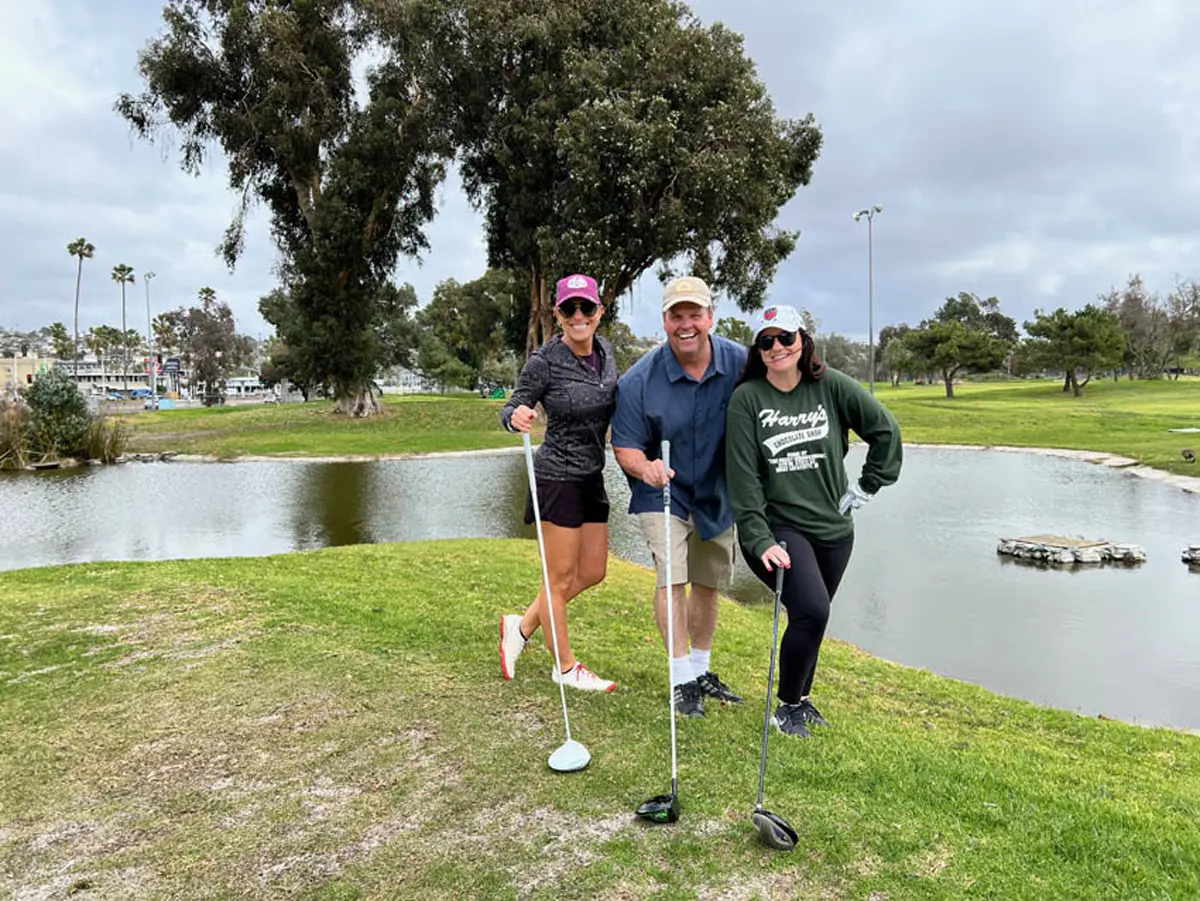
(681, 671)
(699, 660)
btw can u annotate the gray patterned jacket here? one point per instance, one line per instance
(579, 404)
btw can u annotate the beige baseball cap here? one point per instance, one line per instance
(687, 289)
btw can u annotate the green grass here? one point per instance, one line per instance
(408, 425)
(1129, 418)
(333, 725)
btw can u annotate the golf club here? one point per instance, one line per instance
(665, 808)
(772, 828)
(572, 755)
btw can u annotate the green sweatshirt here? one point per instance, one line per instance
(785, 455)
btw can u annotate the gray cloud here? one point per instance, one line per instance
(1038, 152)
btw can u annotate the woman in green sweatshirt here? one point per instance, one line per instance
(785, 445)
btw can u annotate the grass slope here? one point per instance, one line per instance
(408, 425)
(332, 725)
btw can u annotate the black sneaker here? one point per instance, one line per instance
(710, 684)
(812, 715)
(789, 719)
(688, 701)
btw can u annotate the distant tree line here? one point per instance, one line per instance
(1130, 331)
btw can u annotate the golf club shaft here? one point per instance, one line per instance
(762, 765)
(666, 458)
(537, 520)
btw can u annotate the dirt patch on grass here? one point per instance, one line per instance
(61, 858)
(193, 626)
(769, 887)
(931, 864)
(268, 810)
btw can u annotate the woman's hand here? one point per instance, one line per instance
(776, 556)
(522, 418)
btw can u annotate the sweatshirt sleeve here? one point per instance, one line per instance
(746, 496)
(531, 385)
(875, 425)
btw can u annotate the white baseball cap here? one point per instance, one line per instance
(779, 316)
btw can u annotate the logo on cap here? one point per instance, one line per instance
(769, 314)
(577, 281)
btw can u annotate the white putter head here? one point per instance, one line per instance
(570, 757)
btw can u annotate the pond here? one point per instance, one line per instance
(925, 586)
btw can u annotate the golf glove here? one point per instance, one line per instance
(854, 498)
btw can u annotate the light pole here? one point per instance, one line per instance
(870, 214)
(150, 371)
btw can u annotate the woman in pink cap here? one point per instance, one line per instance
(574, 377)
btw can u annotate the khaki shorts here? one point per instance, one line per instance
(708, 563)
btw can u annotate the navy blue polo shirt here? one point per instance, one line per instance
(656, 399)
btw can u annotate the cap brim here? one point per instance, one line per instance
(688, 298)
(783, 327)
(581, 295)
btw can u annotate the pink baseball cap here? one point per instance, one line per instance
(583, 286)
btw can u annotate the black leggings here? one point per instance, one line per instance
(808, 589)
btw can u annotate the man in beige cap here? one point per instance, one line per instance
(678, 392)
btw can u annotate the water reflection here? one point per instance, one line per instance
(925, 586)
(331, 507)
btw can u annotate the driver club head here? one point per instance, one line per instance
(570, 757)
(660, 809)
(774, 830)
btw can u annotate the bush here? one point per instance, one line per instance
(105, 440)
(58, 415)
(14, 434)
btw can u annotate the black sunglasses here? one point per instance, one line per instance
(766, 342)
(568, 307)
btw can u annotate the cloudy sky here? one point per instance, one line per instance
(1036, 151)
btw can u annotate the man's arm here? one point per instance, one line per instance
(635, 464)
(631, 433)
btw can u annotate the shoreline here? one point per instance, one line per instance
(1190, 484)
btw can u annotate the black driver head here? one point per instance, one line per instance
(660, 809)
(774, 830)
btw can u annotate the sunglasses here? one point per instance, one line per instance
(766, 342)
(568, 307)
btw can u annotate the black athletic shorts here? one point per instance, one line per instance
(570, 504)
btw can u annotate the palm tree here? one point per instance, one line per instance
(123, 275)
(83, 250)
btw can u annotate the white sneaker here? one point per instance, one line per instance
(511, 643)
(582, 678)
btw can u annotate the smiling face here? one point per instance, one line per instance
(779, 357)
(578, 328)
(687, 326)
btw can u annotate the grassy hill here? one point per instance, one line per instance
(333, 725)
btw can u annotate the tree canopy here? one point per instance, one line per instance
(966, 333)
(610, 136)
(1078, 343)
(605, 136)
(349, 184)
(206, 337)
(735, 330)
(472, 331)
